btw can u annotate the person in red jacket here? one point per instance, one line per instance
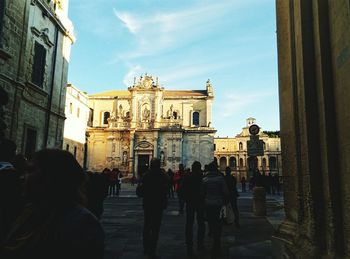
(178, 182)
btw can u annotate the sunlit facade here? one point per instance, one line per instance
(77, 116)
(35, 42)
(232, 152)
(131, 126)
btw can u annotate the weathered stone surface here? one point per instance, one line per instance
(40, 109)
(314, 62)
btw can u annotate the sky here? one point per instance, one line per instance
(184, 43)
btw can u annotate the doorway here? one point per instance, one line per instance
(142, 165)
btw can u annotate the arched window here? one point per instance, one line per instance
(241, 162)
(106, 116)
(240, 146)
(272, 162)
(223, 163)
(175, 115)
(195, 119)
(70, 108)
(233, 162)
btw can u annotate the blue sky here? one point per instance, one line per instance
(184, 43)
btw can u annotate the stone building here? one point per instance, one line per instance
(131, 126)
(35, 41)
(314, 81)
(77, 114)
(232, 152)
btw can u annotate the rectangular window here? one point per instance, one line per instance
(75, 151)
(39, 64)
(67, 147)
(2, 13)
(30, 144)
(78, 112)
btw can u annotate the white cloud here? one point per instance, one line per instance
(237, 102)
(157, 32)
(130, 22)
(134, 71)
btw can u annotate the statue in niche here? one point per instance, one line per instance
(120, 111)
(125, 157)
(146, 114)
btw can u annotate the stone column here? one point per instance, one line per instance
(314, 82)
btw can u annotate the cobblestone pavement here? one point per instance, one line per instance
(123, 221)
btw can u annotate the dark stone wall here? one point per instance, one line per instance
(314, 82)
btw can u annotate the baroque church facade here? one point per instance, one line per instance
(129, 127)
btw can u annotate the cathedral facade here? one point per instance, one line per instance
(129, 127)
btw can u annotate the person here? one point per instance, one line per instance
(231, 183)
(133, 180)
(154, 193)
(54, 223)
(243, 183)
(118, 181)
(11, 199)
(178, 180)
(97, 191)
(215, 196)
(194, 197)
(112, 181)
(170, 174)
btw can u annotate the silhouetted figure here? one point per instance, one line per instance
(133, 180)
(170, 174)
(276, 186)
(243, 183)
(231, 183)
(178, 180)
(97, 190)
(11, 200)
(118, 181)
(54, 224)
(112, 181)
(216, 195)
(154, 192)
(194, 197)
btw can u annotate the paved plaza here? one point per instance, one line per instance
(123, 222)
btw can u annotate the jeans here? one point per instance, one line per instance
(151, 228)
(191, 210)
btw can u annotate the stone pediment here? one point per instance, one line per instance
(144, 145)
(146, 82)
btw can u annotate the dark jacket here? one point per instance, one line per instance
(154, 186)
(193, 189)
(215, 189)
(231, 185)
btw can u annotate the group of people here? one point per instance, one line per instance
(202, 193)
(45, 207)
(114, 177)
(271, 182)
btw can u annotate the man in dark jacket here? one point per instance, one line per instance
(154, 192)
(194, 197)
(216, 195)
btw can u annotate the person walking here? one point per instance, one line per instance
(153, 188)
(231, 183)
(243, 183)
(215, 196)
(194, 197)
(178, 180)
(170, 174)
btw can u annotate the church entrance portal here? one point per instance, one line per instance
(143, 164)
